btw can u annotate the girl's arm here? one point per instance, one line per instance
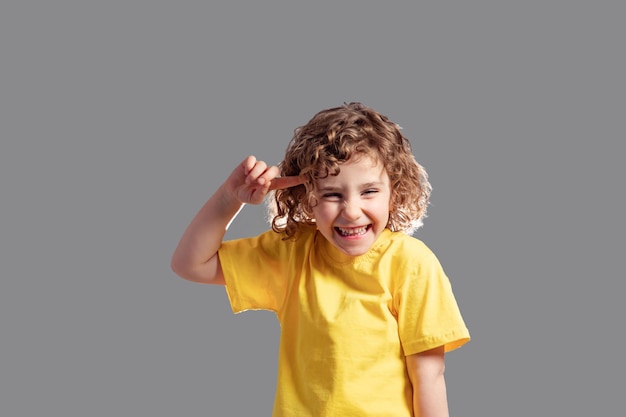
(195, 258)
(426, 371)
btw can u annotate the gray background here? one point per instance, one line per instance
(119, 118)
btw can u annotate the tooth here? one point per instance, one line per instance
(352, 232)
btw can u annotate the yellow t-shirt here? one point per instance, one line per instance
(346, 322)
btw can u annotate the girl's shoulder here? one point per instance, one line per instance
(404, 241)
(409, 252)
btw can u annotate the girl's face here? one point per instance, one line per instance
(352, 208)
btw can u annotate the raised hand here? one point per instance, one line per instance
(253, 179)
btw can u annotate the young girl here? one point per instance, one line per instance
(366, 310)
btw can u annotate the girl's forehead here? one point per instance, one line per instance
(363, 169)
(364, 162)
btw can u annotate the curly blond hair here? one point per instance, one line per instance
(334, 136)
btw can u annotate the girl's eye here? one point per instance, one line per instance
(370, 192)
(332, 195)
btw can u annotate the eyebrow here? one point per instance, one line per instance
(365, 185)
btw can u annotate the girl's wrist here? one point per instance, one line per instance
(227, 200)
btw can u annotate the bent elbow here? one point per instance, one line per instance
(179, 268)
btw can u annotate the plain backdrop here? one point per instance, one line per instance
(119, 118)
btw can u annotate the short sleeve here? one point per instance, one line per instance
(254, 273)
(427, 312)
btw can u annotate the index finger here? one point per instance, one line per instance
(285, 182)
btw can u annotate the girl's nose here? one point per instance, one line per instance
(351, 210)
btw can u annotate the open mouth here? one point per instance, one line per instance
(352, 231)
